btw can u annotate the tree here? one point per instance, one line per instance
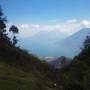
(2, 21)
(3, 34)
(87, 42)
(2, 24)
(14, 30)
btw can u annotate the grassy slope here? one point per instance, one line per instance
(22, 71)
(14, 79)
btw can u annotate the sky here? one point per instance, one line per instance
(66, 16)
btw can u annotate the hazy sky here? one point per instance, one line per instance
(63, 15)
(42, 11)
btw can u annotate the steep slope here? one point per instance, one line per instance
(20, 70)
(14, 79)
(77, 75)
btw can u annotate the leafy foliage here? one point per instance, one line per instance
(87, 42)
(14, 30)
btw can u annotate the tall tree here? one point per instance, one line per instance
(3, 34)
(14, 30)
(2, 24)
(87, 42)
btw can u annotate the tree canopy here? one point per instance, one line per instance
(14, 29)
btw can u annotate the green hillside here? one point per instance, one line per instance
(22, 71)
(14, 79)
(76, 76)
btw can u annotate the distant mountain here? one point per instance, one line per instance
(60, 62)
(48, 58)
(55, 43)
(71, 45)
(43, 43)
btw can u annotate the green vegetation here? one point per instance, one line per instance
(14, 79)
(14, 30)
(77, 75)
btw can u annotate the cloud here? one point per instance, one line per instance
(72, 21)
(85, 23)
(24, 26)
(68, 27)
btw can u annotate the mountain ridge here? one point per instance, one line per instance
(74, 43)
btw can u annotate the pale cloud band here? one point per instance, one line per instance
(68, 27)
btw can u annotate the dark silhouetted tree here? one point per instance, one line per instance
(87, 42)
(14, 30)
(2, 24)
(3, 34)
